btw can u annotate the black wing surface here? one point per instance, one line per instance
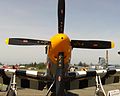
(25, 78)
(83, 79)
(73, 80)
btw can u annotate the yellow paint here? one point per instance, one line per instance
(7, 41)
(112, 44)
(59, 43)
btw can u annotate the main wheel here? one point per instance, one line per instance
(11, 93)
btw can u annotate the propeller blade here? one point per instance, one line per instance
(92, 44)
(61, 15)
(23, 41)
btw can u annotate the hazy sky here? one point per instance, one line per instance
(85, 19)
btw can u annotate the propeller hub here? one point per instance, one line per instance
(59, 43)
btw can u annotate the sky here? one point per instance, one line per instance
(37, 19)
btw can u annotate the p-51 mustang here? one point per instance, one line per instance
(58, 78)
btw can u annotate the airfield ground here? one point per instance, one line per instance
(81, 92)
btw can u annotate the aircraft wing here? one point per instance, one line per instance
(82, 79)
(24, 78)
(73, 80)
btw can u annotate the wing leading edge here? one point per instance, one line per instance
(25, 78)
(83, 79)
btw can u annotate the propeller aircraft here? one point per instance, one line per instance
(59, 49)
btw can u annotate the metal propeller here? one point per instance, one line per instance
(61, 15)
(24, 41)
(92, 44)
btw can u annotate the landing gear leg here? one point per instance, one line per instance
(99, 88)
(12, 90)
(50, 88)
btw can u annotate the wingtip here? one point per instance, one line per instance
(7, 41)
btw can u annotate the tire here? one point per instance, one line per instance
(11, 93)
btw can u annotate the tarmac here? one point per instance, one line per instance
(79, 92)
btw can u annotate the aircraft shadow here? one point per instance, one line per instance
(68, 94)
(71, 94)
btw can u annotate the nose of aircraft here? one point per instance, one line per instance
(59, 43)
